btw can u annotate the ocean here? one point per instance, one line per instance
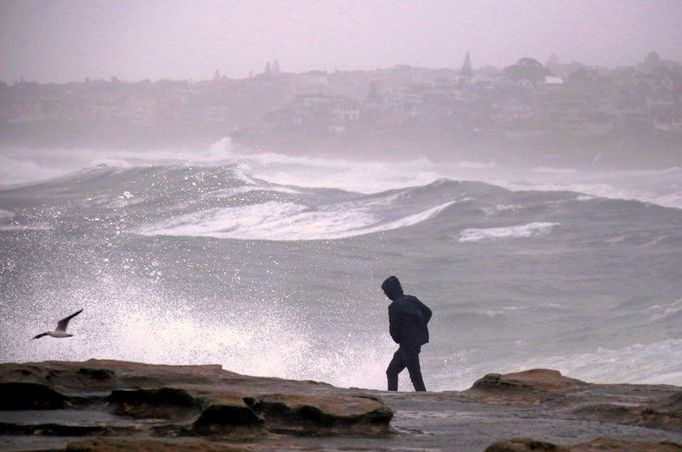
(272, 265)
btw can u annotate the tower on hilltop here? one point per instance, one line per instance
(467, 72)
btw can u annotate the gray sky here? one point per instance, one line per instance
(71, 40)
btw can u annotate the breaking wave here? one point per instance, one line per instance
(660, 186)
(285, 221)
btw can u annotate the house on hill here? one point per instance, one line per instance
(528, 69)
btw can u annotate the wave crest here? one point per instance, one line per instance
(286, 221)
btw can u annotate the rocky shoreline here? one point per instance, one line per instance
(116, 405)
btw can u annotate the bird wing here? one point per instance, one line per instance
(39, 336)
(63, 323)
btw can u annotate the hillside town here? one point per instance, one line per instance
(528, 100)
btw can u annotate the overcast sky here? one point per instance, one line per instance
(71, 40)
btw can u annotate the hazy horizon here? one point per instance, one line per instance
(74, 40)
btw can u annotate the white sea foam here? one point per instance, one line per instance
(499, 208)
(113, 201)
(658, 362)
(553, 171)
(285, 221)
(24, 227)
(16, 170)
(362, 177)
(153, 326)
(520, 231)
(660, 312)
(6, 214)
(234, 191)
(662, 187)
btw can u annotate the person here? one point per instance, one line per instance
(408, 319)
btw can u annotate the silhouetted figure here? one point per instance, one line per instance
(407, 318)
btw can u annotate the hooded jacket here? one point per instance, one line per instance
(408, 317)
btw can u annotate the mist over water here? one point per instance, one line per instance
(271, 265)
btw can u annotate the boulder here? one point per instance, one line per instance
(323, 414)
(599, 444)
(228, 414)
(523, 445)
(30, 396)
(164, 402)
(529, 386)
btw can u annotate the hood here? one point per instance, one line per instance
(392, 288)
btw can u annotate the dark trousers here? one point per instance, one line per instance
(405, 356)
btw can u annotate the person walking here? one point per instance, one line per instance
(408, 319)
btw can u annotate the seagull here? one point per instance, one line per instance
(60, 331)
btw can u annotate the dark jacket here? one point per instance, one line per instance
(408, 317)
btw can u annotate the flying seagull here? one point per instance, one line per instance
(60, 331)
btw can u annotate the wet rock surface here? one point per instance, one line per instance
(531, 386)
(599, 444)
(112, 405)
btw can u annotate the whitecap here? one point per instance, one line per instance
(520, 231)
(499, 208)
(551, 170)
(285, 221)
(233, 191)
(112, 201)
(6, 214)
(660, 312)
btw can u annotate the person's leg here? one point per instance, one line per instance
(411, 360)
(394, 368)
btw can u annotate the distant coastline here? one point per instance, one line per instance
(572, 113)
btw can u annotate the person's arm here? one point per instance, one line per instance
(426, 312)
(394, 324)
